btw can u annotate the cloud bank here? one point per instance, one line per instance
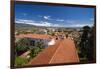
(31, 22)
(68, 23)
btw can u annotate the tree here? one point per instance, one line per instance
(39, 44)
(91, 53)
(19, 61)
(22, 45)
(85, 43)
(34, 30)
(35, 50)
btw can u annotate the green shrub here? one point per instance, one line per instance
(22, 45)
(19, 61)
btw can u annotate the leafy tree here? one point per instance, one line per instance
(19, 61)
(34, 30)
(35, 50)
(91, 50)
(40, 44)
(22, 45)
(85, 43)
(52, 33)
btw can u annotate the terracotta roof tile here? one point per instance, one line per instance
(63, 51)
(35, 36)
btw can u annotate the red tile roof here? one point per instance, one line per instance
(35, 36)
(63, 51)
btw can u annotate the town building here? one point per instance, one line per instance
(34, 38)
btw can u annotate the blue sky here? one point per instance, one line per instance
(56, 16)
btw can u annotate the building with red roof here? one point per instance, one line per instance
(34, 38)
(63, 51)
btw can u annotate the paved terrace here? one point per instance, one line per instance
(63, 51)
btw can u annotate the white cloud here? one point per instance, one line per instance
(42, 23)
(48, 24)
(32, 22)
(71, 21)
(80, 25)
(92, 19)
(23, 21)
(49, 18)
(46, 17)
(39, 15)
(60, 20)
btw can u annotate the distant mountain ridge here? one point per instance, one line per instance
(25, 26)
